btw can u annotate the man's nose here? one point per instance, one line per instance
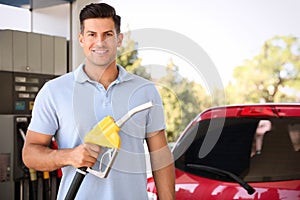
(100, 39)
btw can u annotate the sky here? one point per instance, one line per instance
(229, 31)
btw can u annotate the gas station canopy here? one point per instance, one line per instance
(34, 4)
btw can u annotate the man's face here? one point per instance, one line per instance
(100, 41)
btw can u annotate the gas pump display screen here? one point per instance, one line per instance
(20, 105)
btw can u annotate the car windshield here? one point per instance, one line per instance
(255, 149)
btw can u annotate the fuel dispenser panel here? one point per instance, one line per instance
(17, 182)
(6, 158)
(13, 173)
(19, 91)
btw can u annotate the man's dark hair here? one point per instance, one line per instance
(99, 10)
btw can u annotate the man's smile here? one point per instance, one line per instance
(100, 52)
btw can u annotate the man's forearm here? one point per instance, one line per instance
(165, 182)
(162, 164)
(42, 158)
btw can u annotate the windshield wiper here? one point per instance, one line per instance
(214, 170)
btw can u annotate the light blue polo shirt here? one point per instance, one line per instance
(71, 105)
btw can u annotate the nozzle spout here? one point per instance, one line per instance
(131, 112)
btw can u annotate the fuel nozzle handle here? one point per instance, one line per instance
(107, 127)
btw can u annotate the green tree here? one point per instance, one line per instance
(270, 75)
(182, 99)
(128, 56)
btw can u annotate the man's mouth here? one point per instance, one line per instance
(99, 51)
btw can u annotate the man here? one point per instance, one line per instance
(68, 107)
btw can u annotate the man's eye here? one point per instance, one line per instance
(90, 34)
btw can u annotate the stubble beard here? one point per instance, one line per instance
(102, 63)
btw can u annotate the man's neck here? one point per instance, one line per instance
(103, 75)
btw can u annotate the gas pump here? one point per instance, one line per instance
(14, 175)
(17, 182)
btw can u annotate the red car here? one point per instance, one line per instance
(239, 152)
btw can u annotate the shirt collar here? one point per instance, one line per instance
(81, 76)
(123, 74)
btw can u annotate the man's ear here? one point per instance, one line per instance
(120, 39)
(81, 39)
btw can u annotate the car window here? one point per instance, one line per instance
(275, 156)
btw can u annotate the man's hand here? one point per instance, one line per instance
(85, 155)
(37, 154)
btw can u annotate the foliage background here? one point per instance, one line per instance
(271, 76)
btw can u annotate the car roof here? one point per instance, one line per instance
(251, 110)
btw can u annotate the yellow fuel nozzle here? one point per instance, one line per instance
(105, 133)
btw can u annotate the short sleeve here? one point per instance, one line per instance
(156, 119)
(44, 118)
